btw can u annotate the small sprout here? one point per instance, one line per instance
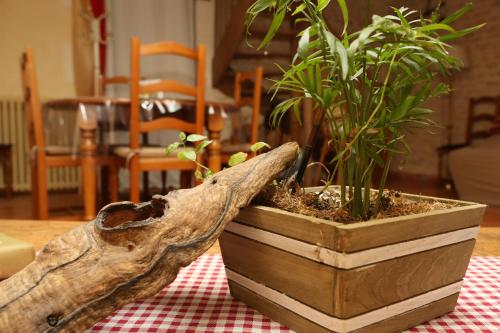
(259, 145)
(202, 145)
(195, 137)
(172, 147)
(182, 136)
(198, 174)
(187, 155)
(208, 173)
(237, 158)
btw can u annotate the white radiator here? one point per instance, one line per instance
(13, 130)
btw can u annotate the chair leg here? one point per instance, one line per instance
(42, 190)
(34, 191)
(186, 178)
(163, 182)
(113, 181)
(135, 195)
(145, 184)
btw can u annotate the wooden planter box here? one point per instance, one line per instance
(382, 275)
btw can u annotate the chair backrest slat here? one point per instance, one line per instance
(31, 100)
(168, 47)
(167, 85)
(474, 117)
(106, 81)
(254, 100)
(167, 122)
(138, 87)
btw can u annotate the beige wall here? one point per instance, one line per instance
(46, 27)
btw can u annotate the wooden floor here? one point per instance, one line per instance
(19, 207)
(70, 203)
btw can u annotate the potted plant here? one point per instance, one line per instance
(372, 274)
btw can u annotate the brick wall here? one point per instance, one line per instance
(480, 78)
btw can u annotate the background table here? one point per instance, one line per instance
(89, 123)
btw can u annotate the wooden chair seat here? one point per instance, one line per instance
(145, 152)
(59, 150)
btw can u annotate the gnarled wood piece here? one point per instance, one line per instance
(130, 251)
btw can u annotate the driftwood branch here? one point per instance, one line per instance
(130, 251)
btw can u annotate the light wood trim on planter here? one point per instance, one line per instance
(352, 260)
(298, 323)
(344, 325)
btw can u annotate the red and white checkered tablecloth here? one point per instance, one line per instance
(199, 301)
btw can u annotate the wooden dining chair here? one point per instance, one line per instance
(42, 156)
(137, 158)
(247, 93)
(104, 83)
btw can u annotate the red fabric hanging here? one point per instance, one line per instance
(98, 8)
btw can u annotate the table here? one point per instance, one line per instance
(204, 282)
(89, 124)
(199, 301)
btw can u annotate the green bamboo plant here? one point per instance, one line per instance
(368, 86)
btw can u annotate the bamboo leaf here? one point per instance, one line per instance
(337, 47)
(273, 28)
(303, 45)
(345, 14)
(300, 8)
(322, 5)
(460, 33)
(458, 14)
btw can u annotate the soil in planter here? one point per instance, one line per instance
(327, 205)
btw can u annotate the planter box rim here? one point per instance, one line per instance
(463, 205)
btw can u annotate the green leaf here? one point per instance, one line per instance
(237, 158)
(198, 175)
(458, 14)
(436, 26)
(273, 28)
(303, 44)
(403, 108)
(299, 9)
(172, 147)
(337, 47)
(187, 155)
(182, 136)
(202, 145)
(460, 33)
(322, 5)
(345, 14)
(195, 137)
(376, 157)
(259, 145)
(208, 173)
